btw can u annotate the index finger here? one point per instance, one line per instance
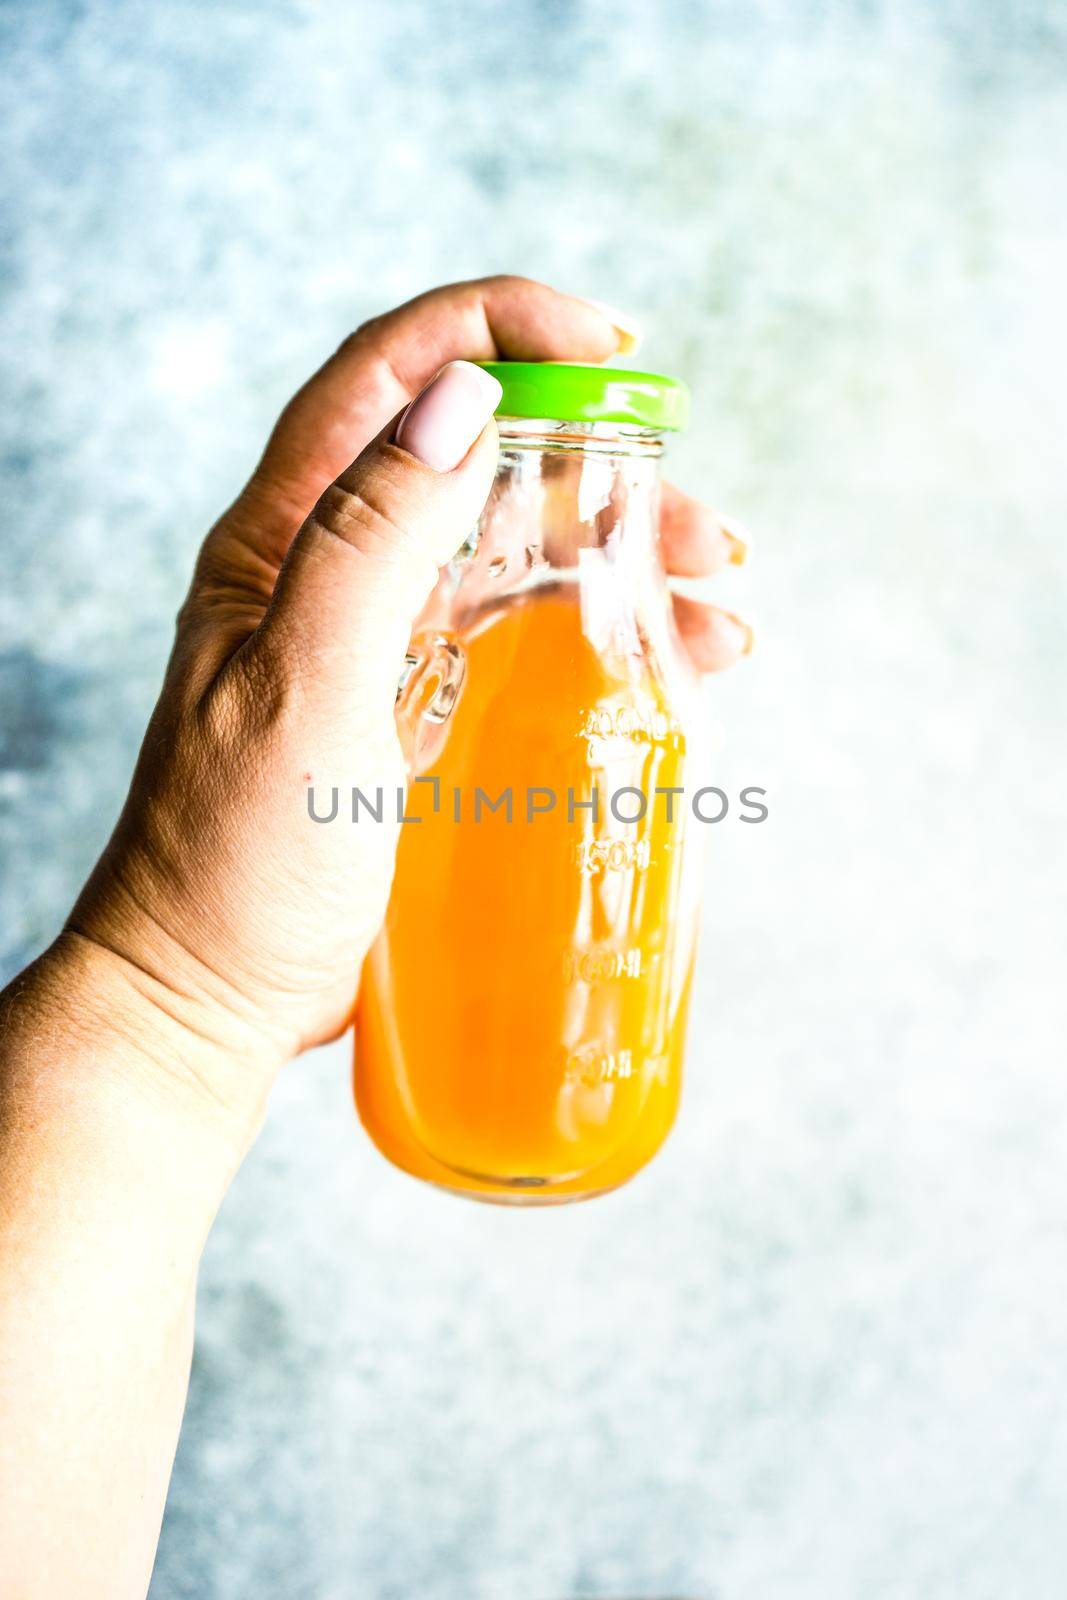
(385, 363)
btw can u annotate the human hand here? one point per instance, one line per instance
(220, 933)
(214, 900)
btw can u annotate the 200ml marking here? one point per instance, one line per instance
(641, 724)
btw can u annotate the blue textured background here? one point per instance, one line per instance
(818, 1351)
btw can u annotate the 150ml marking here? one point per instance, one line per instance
(612, 855)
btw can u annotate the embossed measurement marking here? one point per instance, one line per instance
(642, 724)
(601, 966)
(589, 1067)
(612, 855)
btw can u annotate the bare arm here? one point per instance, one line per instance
(112, 1166)
(220, 933)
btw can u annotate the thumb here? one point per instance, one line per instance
(365, 561)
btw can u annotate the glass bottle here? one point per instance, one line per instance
(522, 1014)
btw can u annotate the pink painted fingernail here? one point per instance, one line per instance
(441, 423)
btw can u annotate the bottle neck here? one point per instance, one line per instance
(566, 489)
(573, 516)
(574, 510)
(587, 438)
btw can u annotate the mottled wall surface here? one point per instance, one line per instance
(818, 1351)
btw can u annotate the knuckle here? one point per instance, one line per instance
(356, 341)
(363, 519)
(508, 281)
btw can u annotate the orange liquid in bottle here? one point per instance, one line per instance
(522, 1014)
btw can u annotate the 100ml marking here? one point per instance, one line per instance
(601, 966)
(589, 1068)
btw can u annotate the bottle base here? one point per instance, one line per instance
(522, 1198)
(518, 1191)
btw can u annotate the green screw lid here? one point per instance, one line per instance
(564, 392)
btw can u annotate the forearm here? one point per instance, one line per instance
(113, 1162)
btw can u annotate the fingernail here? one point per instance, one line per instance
(441, 423)
(739, 539)
(748, 629)
(628, 328)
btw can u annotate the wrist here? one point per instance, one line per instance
(115, 1038)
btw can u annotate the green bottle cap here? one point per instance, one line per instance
(559, 391)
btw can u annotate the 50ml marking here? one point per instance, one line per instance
(589, 1067)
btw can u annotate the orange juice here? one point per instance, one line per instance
(522, 1014)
